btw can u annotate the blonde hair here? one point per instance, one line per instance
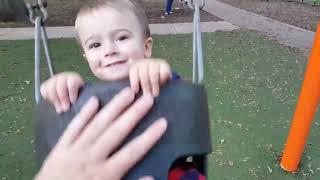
(119, 5)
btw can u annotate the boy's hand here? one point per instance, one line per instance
(61, 90)
(150, 74)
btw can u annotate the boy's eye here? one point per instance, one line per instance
(121, 38)
(94, 45)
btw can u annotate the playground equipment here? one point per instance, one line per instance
(39, 21)
(188, 132)
(305, 110)
(198, 71)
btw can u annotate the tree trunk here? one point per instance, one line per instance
(12, 10)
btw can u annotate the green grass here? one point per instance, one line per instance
(252, 86)
(314, 2)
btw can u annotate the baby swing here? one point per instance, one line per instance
(188, 133)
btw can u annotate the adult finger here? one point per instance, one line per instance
(116, 133)
(78, 123)
(124, 159)
(154, 74)
(105, 116)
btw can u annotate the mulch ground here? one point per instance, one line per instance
(294, 12)
(63, 13)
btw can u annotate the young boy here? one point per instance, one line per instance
(116, 42)
(115, 38)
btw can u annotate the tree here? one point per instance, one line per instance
(12, 10)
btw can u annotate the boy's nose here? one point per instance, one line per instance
(109, 54)
(109, 50)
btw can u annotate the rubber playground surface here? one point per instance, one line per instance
(252, 85)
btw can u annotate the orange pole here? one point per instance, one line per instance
(305, 110)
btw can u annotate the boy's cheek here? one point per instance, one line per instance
(93, 66)
(134, 51)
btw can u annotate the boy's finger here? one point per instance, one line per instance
(165, 73)
(78, 123)
(74, 85)
(43, 90)
(53, 96)
(131, 153)
(134, 79)
(144, 79)
(63, 94)
(154, 73)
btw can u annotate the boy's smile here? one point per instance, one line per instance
(111, 41)
(112, 64)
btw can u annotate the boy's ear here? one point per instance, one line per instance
(84, 56)
(148, 47)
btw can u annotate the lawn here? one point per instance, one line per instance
(252, 85)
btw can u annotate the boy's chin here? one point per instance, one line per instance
(114, 77)
(113, 74)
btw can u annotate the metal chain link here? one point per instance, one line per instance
(37, 6)
(200, 3)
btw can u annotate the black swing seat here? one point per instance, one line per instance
(182, 103)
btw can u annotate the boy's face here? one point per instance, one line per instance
(111, 41)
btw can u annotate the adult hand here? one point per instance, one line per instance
(86, 150)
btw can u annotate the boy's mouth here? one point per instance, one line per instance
(116, 63)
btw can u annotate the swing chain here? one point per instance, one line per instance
(38, 15)
(39, 7)
(198, 65)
